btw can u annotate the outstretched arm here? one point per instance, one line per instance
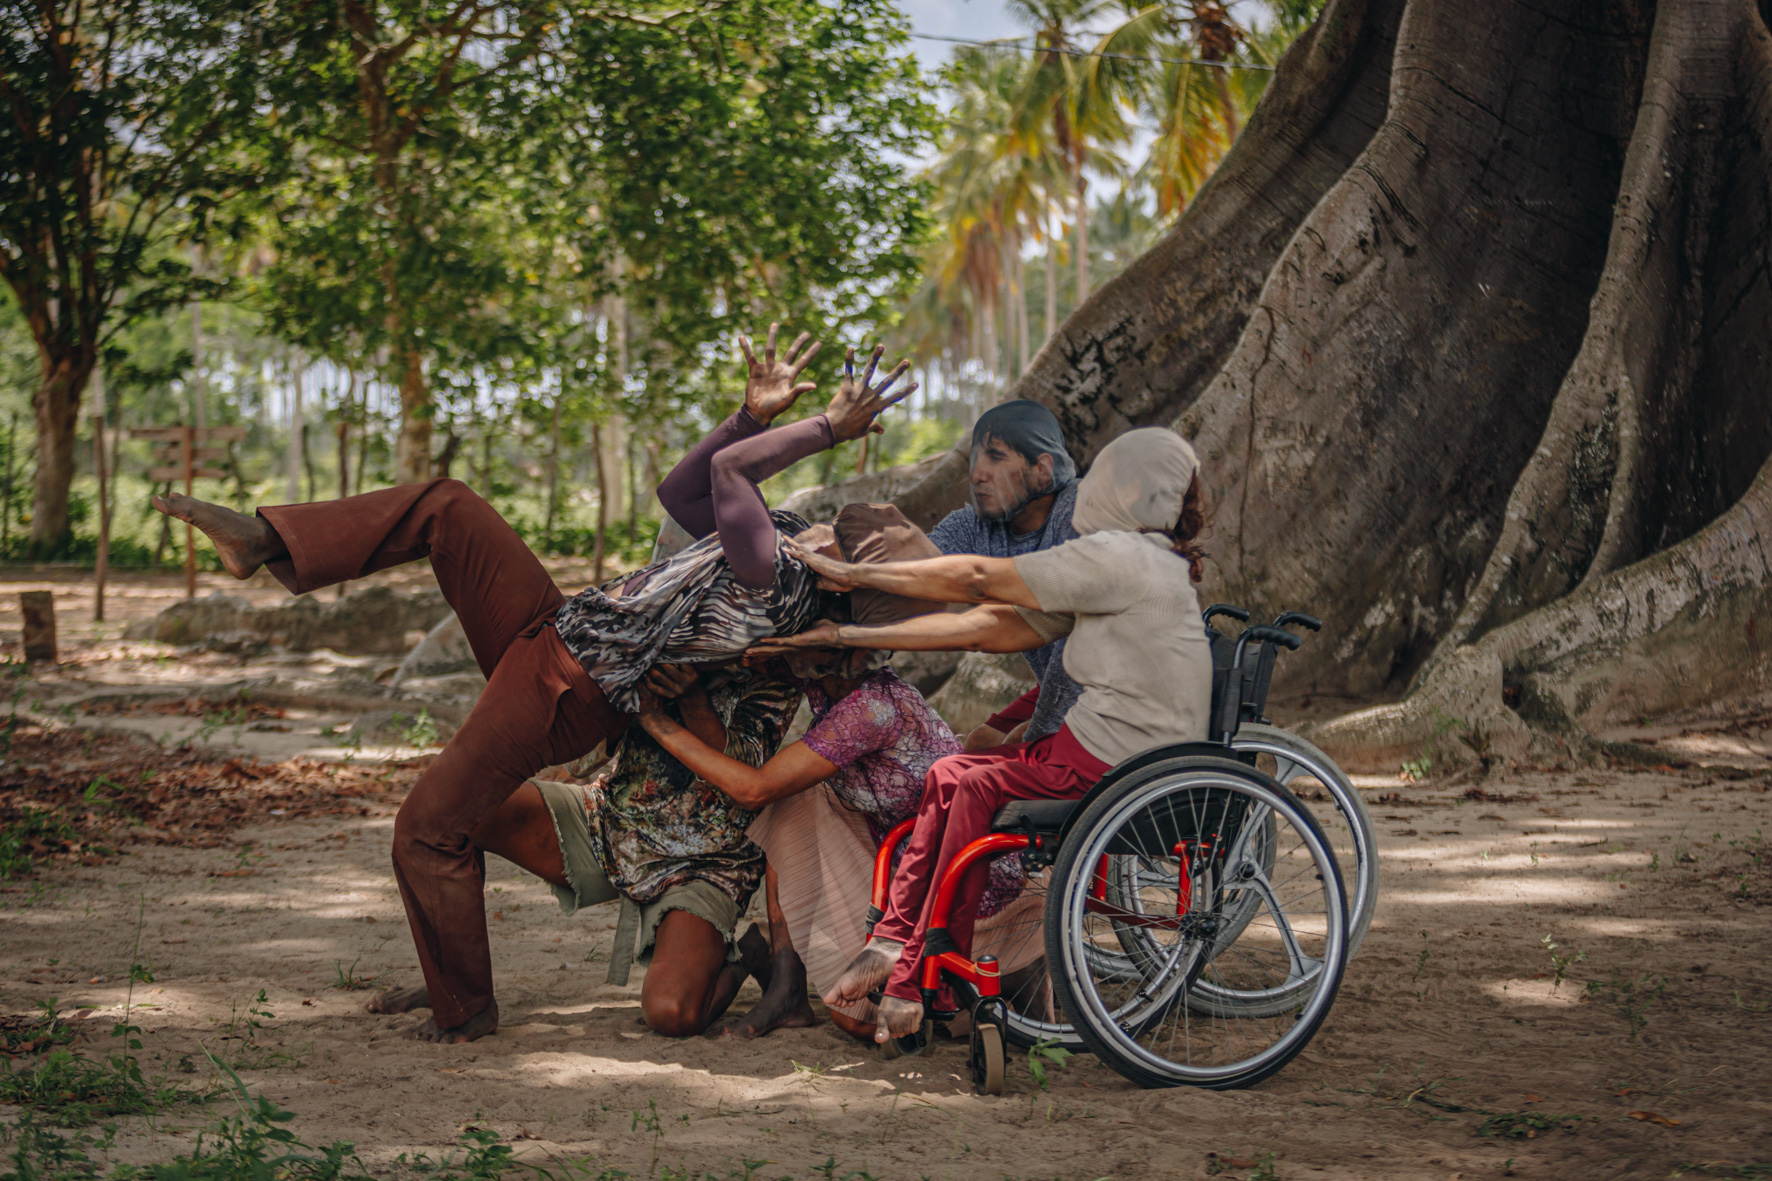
(983, 629)
(958, 578)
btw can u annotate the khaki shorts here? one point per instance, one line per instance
(589, 885)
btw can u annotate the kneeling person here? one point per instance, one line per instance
(649, 830)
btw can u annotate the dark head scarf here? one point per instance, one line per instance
(1029, 429)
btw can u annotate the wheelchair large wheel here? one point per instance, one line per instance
(1299, 766)
(1216, 846)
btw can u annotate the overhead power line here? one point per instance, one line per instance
(1015, 43)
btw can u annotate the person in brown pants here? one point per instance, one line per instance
(540, 706)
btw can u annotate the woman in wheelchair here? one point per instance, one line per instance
(827, 801)
(1123, 593)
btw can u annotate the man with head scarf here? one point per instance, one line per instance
(1023, 489)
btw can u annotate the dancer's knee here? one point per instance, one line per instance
(673, 1013)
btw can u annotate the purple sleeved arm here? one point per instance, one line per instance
(688, 492)
(746, 532)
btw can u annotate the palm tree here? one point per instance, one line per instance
(1072, 99)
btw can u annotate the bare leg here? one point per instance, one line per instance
(689, 983)
(243, 543)
(866, 973)
(785, 1004)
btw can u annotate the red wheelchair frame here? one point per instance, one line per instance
(942, 956)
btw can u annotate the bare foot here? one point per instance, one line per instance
(898, 1018)
(866, 973)
(861, 1031)
(785, 1004)
(400, 1000)
(243, 543)
(477, 1026)
(753, 950)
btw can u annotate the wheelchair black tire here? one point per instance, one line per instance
(1107, 1038)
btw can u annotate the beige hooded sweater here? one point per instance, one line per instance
(1137, 646)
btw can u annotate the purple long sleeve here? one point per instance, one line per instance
(688, 492)
(740, 513)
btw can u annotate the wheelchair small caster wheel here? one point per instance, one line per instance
(910, 1045)
(985, 1058)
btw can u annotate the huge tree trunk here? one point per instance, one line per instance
(1473, 331)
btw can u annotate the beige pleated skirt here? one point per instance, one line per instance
(823, 857)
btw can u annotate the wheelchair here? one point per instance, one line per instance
(1194, 927)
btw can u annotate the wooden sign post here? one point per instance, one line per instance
(180, 458)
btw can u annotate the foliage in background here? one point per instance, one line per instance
(571, 213)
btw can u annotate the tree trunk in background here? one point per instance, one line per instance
(1051, 284)
(1472, 330)
(547, 530)
(412, 453)
(292, 457)
(199, 387)
(1081, 213)
(602, 504)
(56, 411)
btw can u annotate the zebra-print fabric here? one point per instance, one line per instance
(689, 609)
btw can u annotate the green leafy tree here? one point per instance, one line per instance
(116, 143)
(483, 188)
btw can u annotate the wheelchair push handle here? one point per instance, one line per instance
(1265, 634)
(1236, 613)
(1300, 618)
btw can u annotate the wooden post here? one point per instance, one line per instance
(38, 610)
(104, 519)
(187, 444)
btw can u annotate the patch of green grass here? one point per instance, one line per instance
(36, 831)
(256, 1144)
(347, 978)
(1632, 998)
(65, 1088)
(33, 1035)
(1525, 1125)
(1043, 1052)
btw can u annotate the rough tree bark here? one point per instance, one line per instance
(1473, 331)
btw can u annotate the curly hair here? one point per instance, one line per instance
(1189, 527)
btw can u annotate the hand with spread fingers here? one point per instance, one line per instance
(773, 386)
(856, 409)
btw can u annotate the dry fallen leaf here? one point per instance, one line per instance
(1650, 1117)
(1535, 1098)
(498, 914)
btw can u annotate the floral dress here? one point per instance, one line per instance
(654, 824)
(884, 737)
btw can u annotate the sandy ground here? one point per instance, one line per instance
(1450, 1013)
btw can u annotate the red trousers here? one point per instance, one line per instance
(960, 797)
(539, 708)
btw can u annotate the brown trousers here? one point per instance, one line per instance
(538, 709)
